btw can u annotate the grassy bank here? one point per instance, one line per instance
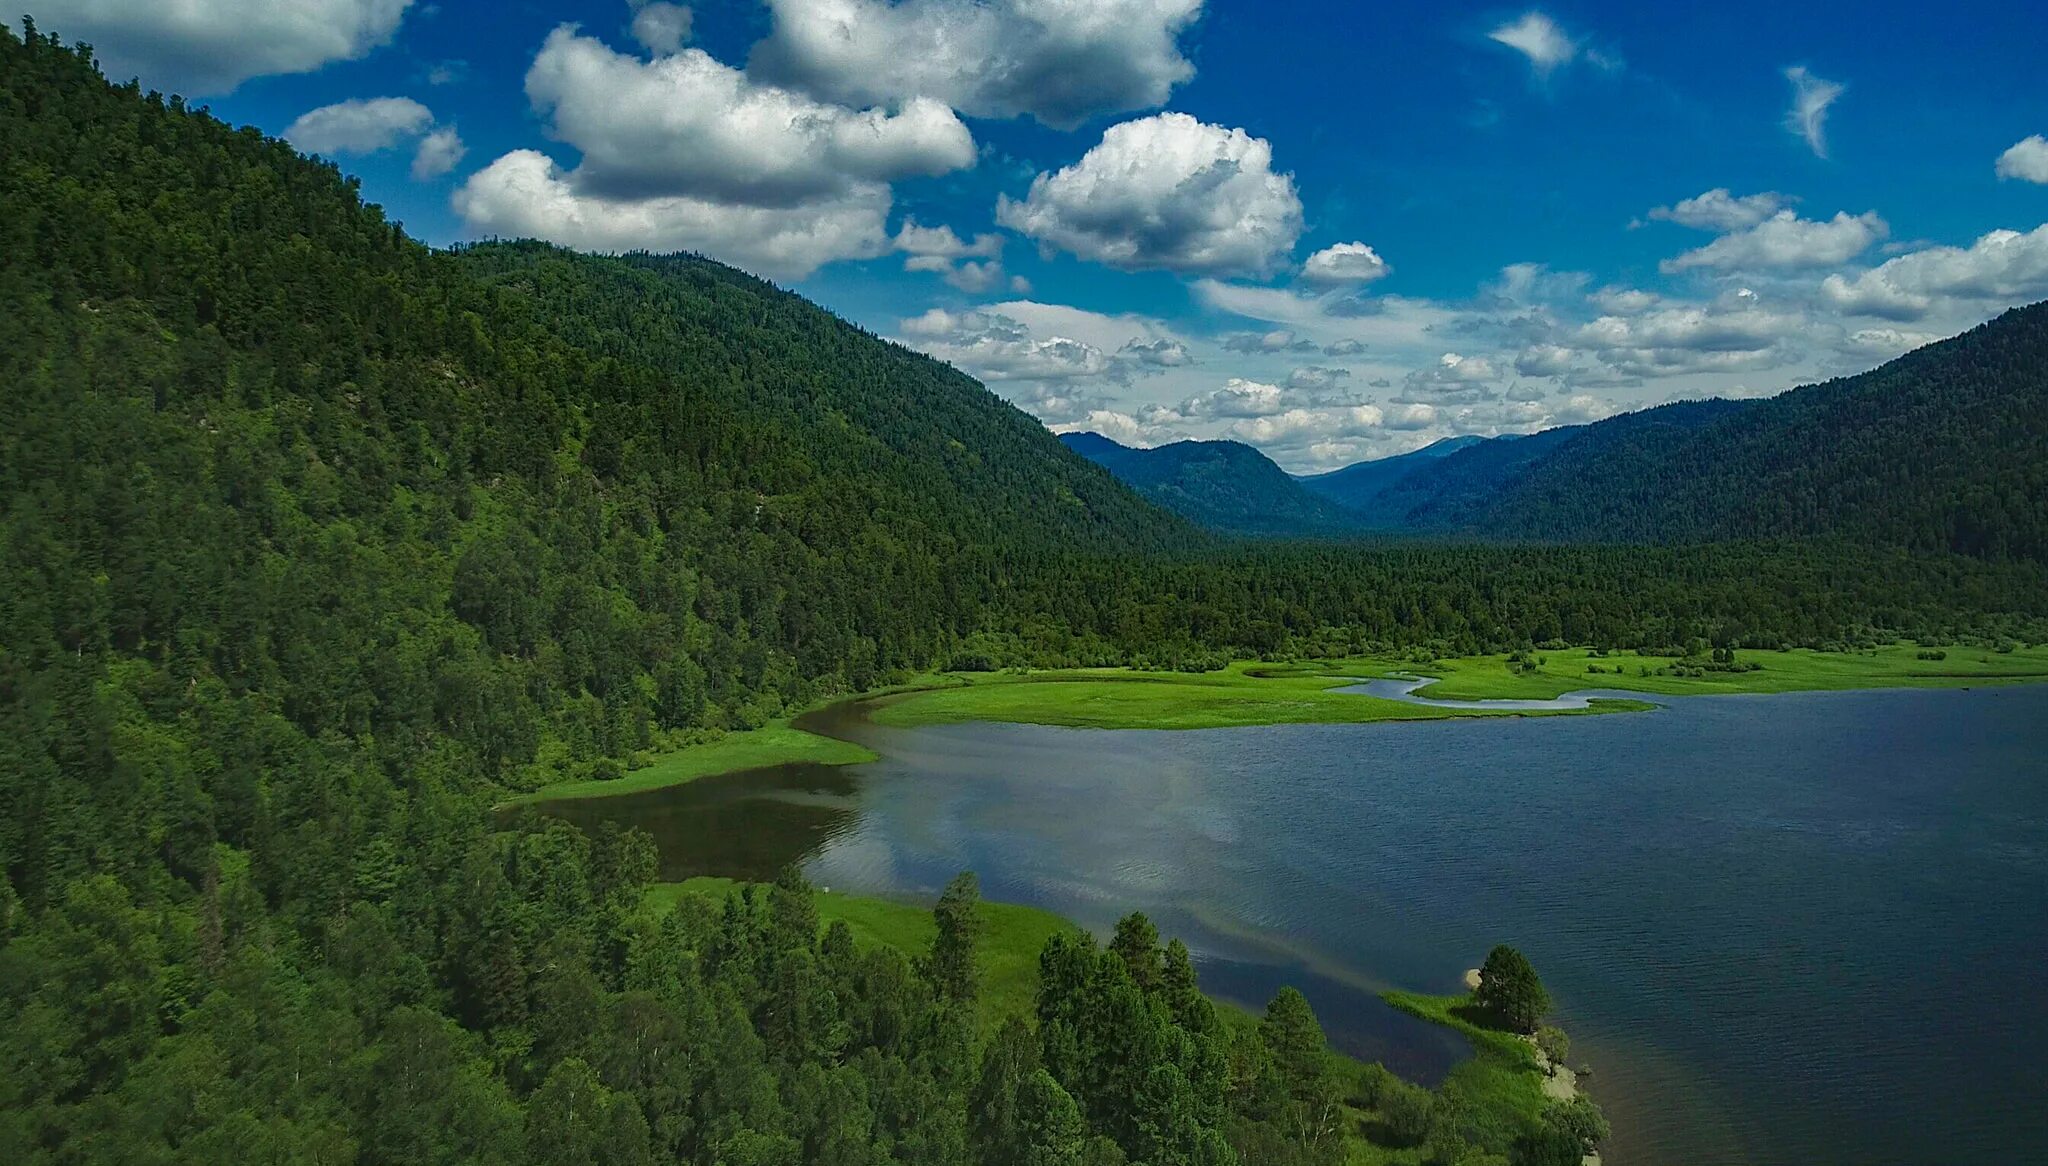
(1244, 693)
(776, 744)
(1799, 670)
(1499, 1088)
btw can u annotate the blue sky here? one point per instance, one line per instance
(1333, 230)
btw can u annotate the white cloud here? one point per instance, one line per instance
(1060, 61)
(939, 250)
(1294, 429)
(661, 27)
(1811, 98)
(1121, 427)
(1538, 38)
(200, 47)
(1736, 333)
(1166, 192)
(1884, 343)
(358, 126)
(524, 194)
(1278, 340)
(2002, 266)
(686, 125)
(1345, 264)
(2027, 160)
(1544, 360)
(997, 347)
(1718, 210)
(1344, 348)
(1624, 301)
(1787, 242)
(1318, 378)
(438, 153)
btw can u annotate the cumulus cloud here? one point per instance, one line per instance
(973, 267)
(997, 347)
(1538, 38)
(1059, 61)
(358, 126)
(1278, 340)
(1454, 377)
(686, 125)
(1733, 334)
(1344, 348)
(1317, 378)
(1624, 301)
(661, 27)
(1787, 242)
(1808, 116)
(525, 194)
(1294, 429)
(1118, 426)
(2002, 266)
(2027, 160)
(1718, 210)
(1884, 343)
(1544, 360)
(1345, 264)
(437, 154)
(1169, 193)
(1159, 353)
(209, 48)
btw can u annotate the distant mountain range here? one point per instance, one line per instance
(1945, 448)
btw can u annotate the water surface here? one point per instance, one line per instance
(1798, 929)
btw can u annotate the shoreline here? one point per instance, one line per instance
(1248, 693)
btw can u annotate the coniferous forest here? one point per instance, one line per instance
(314, 542)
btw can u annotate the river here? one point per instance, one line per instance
(1796, 929)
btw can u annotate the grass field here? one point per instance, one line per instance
(1009, 947)
(774, 745)
(1800, 670)
(1243, 694)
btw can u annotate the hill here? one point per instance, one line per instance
(1224, 486)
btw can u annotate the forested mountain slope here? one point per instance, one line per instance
(1224, 486)
(1945, 448)
(1354, 486)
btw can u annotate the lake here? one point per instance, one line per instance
(1796, 929)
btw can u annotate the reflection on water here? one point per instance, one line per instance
(747, 825)
(1782, 928)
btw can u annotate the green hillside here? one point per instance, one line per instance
(1223, 486)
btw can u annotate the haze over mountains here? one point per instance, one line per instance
(1945, 448)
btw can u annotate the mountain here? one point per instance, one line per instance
(1355, 486)
(1224, 486)
(1943, 449)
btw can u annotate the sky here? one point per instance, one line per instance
(1334, 231)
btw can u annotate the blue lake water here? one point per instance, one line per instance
(1801, 929)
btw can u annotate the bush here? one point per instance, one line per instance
(1409, 1112)
(970, 662)
(1578, 1118)
(1553, 1044)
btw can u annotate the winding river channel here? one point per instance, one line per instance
(1801, 929)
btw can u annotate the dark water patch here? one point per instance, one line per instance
(749, 825)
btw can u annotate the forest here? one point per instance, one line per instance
(314, 541)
